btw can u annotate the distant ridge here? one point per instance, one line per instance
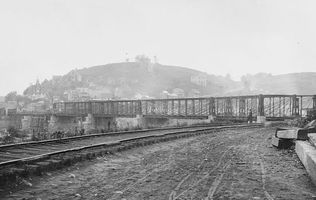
(294, 83)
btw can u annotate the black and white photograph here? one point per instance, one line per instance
(157, 100)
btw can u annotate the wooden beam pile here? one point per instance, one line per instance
(284, 138)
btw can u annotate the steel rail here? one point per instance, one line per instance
(118, 142)
(113, 133)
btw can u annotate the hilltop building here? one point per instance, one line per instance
(37, 92)
(75, 76)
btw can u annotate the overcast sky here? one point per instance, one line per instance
(40, 38)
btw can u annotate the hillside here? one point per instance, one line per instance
(294, 83)
(133, 80)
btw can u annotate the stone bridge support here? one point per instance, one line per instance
(228, 109)
(63, 123)
(89, 124)
(102, 124)
(242, 107)
(26, 123)
(261, 115)
(295, 106)
(212, 109)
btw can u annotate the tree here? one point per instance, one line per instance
(11, 96)
(13, 132)
(143, 59)
(228, 76)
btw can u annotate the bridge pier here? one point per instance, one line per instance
(89, 124)
(53, 124)
(102, 124)
(295, 106)
(261, 115)
(26, 123)
(228, 109)
(212, 110)
(62, 123)
(93, 124)
(242, 107)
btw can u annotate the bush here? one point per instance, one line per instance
(299, 122)
(13, 132)
(8, 139)
(34, 138)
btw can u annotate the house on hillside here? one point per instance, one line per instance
(194, 93)
(178, 92)
(2, 109)
(36, 92)
(38, 106)
(11, 107)
(199, 79)
(79, 94)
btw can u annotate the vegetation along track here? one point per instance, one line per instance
(32, 157)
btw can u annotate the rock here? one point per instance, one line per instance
(300, 134)
(307, 154)
(77, 195)
(118, 192)
(311, 124)
(72, 176)
(25, 182)
(281, 143)
(312, 138)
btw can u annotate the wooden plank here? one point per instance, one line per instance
(287, 134)
(312, 138)
(307, 154)
(298, 134)
(281, 143)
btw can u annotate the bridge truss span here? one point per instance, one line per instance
(237, 107)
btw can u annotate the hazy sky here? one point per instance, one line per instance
(41, 38)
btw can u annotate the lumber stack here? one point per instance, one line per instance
(305, 145)
(284, 138)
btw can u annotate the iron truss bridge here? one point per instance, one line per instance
(273, 107)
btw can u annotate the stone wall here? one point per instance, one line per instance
(127, 123)
(92, 124)
(63, 124)
(14, 121)
(26, 123)
(4, 123)
(104, 123)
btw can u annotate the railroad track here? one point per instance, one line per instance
(25, 150)
(18, 158)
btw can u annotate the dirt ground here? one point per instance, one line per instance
(233, 164)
